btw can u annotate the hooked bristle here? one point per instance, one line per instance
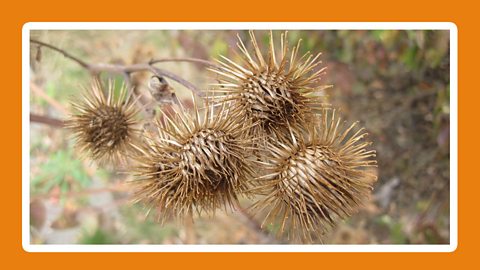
(278, 93)
(104, 124)
(317, 178)
(192, 165)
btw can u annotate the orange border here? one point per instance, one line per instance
(21, 12)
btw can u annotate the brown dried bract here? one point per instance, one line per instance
(193, 165)
(317, 178)
(103, 124)
(277, 93)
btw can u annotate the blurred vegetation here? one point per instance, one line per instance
(395, 82)
(62, 170)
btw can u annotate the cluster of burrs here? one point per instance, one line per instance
(263, 132)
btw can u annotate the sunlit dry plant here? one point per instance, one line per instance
(315, 179)
(192, 165)
(278, 93)
(104, 124)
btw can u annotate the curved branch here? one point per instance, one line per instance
(128, 69)
(168, 74)
(66, 54)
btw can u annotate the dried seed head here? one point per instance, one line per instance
(317, 178)
(277, 93)
(103, 124)
(193, 165)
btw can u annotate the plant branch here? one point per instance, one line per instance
(66, 54)
(46, 120)
(41, 93)
(128, 69)
(164, 73)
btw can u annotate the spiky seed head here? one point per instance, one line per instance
(193, 165)
(315, 179)
(104, 124)
(278, 93)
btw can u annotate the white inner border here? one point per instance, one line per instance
(238, 26)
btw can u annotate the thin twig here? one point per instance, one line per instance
(46, 120)
(164, 73)
(128, 69)
(66, 54)
(41, 93)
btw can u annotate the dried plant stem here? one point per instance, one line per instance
(163, 73)
(41, 119)
(41, 93)
(126, 70)
(66, 54)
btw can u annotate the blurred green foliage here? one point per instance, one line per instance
(97, 237)
(62, 170)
